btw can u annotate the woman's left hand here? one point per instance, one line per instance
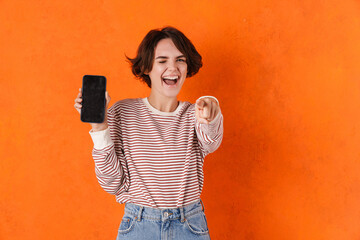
(206, 109)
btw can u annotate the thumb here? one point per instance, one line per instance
(108, 98)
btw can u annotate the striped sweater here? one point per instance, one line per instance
(154, 158)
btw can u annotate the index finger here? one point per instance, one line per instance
(200, 103)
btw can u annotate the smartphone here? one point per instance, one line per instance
(93, 99)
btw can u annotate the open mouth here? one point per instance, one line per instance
(170, 80)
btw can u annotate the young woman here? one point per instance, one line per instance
(149, 152)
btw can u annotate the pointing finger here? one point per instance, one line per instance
(200, 103)
(206, 112)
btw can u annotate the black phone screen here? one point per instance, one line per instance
(93, 99)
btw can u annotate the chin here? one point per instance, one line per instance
(172, 92)
(171, 95)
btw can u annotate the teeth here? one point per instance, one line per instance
(171, 78)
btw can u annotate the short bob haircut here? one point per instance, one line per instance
(144, 60)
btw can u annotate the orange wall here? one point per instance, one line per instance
(286, 74)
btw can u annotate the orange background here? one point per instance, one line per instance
(287, 77)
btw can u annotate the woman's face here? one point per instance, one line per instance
(169, 69)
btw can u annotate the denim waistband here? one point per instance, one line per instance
(159, 214)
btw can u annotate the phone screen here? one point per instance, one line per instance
(93, 99)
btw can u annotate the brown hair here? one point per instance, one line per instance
(143, 62)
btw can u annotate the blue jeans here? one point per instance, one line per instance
(185, 223)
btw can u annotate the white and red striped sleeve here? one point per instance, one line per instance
(108, 167)
(210, 135)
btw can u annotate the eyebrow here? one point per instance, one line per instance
(181, 56)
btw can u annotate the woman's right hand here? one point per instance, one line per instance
(95, 126)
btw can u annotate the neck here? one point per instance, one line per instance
(163, 103)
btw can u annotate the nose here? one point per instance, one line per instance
(172, 65)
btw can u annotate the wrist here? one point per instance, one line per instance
(99, 127)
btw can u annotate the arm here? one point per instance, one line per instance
(208, 124)
(108, 169)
